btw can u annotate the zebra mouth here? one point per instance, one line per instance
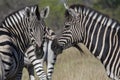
(39, 52)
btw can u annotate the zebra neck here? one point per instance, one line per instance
(95, 33)
(98, 33)
(17, 26)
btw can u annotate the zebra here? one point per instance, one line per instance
(98, 32)
(45, 54)
(20, 31)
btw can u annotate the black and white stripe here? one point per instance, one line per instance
(46, 55)
(50, 57)
(99, 33)
(16, 34)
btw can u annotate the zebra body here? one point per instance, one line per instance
(99, 33)
(16, 34)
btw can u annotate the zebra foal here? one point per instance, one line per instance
(20, 31)
(99, 33)
(45, 54)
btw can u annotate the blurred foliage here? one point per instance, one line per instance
(8, 6)
(56, 12)
(56, 17)
(109, 7)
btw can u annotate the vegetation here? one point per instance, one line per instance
(72, 65)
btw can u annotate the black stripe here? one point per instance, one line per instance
(50, 72)
(7, 63)
(113, 60)
(39, 71)
(5, 33)
(107, 44)
(112, 48)
(30, 51)
(6, 53)
(33, 60)
(53, 33)
(31, 56)
(36, 64)
(117, 61)
(8, 43)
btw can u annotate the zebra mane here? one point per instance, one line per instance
(83, 8)
(21, 9)
(74, 7)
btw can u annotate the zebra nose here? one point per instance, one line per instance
(38, 44)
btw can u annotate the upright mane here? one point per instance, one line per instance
(74, 6)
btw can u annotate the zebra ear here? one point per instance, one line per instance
(44, 13)
(72, 12)
(37, 12)
(65, 5)
(27, 11)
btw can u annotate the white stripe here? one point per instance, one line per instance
(114, 24)
(85, 28)
(94, 17)
(93, 31)
(99, 18)
(36, 61)
(4, 38)
(103, 44)
(117, 66)
(15, 18)
(9, 21)
(21, 13)
(91, 13)
(111, 75)
(110, 47)
(109, 22)
(88, 32)
(86, 12)
(18, 16)
(115, 60)
(98, 36)
(6, 23)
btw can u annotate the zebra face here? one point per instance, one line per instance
(72, 32)
(36, 23)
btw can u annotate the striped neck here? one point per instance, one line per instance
(17, 25)
(98, 29)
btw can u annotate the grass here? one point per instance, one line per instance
(71, 65)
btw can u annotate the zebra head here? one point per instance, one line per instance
(73, 29)
(72, 32)
(36, 23)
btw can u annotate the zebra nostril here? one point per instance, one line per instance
(66, 26)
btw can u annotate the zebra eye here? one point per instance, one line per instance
(31, 30)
